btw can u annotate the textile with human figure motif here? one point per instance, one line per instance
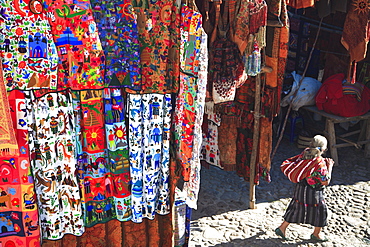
(186, 102)
(81, 57)
(53, 162)
(149, 137)
(193, 185)
(191, 39)
(18, 210)
(117, 152)
(210, 151)
(28, 51)
(118, 33)
(96, 180)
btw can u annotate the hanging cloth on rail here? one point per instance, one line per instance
(53, 163)
(29, 54)
(227, 68)
(191, 188)
(81, 57)
(149, 137)
(118, 33)
(19, 215)
(299, 4)
(154, 22)
(355, 36)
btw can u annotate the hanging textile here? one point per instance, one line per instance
(173, 62)
(53, 164)
(95, 233)
(179, 223)
(278, 39)
(300, 4)
(29, 54)
(154, 20)
(227, 136)
(81, 58)
(117, 182)
(244, 146)
(210, 151)
(149, 138)
(8, 142)
(242, 27)
(264, 149)
(191, 31)
(258, 15)
(96, 180)
(191, 188)
(18, 210)
(355, 36)
(118, 33)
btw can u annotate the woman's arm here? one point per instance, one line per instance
(329, 164)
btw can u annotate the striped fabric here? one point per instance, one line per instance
(296, 169)
(307, 206)
(355, 89)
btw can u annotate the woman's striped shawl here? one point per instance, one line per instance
(297, 169)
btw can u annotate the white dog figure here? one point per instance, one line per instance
(306, 92)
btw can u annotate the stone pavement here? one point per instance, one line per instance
(223, 217)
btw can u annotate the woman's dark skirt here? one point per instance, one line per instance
(307, 206)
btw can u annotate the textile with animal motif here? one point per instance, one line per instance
(18, 210)
(29, 54)
(81, 57)
(51, 135)
(149, 146)
(118, 33)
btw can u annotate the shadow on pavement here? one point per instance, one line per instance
(255, 241)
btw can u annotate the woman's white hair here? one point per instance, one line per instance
(317, 147)
(319, 141)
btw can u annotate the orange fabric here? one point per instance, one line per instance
(299, 4)
(271, 78)
(356, 30)
(265, 143)
(283, 54)
(227, 135)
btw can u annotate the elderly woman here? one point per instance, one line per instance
(311, 173)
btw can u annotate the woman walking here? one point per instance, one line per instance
(311, 173)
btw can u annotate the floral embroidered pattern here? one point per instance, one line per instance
(118, 33)
(28, 51)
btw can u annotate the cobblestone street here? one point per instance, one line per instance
(223, 217)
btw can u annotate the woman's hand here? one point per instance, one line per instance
(329, 165)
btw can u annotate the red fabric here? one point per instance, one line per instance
(297, 169)
(331, 99)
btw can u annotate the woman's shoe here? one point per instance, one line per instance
(281, 234)
(313, 237)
